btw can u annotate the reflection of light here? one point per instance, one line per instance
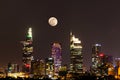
(57, 45)
(15, 75)
(101, 54)
(50, 76)
(117, 58)
(109, 69)
(76, 40)
(50, 58)
(114, 65)
(30, 32)
(97, 45)
(119, 71)
(77, 46)
(27, 65)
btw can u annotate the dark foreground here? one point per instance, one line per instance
(73, 78)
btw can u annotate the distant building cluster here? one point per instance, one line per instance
(51, 67)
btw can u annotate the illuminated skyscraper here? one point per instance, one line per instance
(117, 66)
(96, 61)
(57, 56)
(76, 65)
(49, 67)
(27, 51)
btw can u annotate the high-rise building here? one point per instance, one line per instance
(13, 68)
(106, 65)
(96, 50)
(57, 56)
(38, 67)
(117, 66)
(76, 64)
(49, 67)
(27, 51)
(100, 61)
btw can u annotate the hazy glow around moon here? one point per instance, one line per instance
(52, 21)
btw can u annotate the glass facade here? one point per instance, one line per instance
(96, 61)
(27, 52)
(57, 56)
(76, 65)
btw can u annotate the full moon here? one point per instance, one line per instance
(52, 21)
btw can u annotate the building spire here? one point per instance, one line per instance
(70, 33)
(29, 34)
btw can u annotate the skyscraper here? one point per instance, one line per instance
(38, 67)
(96, 49)
(49, 67)
(27, 51)
(76, 65)
(117, 66)
(57, 56)
(13, 68)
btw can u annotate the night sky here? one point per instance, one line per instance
(92, 21)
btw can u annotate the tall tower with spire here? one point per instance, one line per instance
(27, 52)
(76, 64)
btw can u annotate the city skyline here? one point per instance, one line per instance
(92, 22)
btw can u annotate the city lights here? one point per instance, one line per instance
(52, 68)
(76, 65)
(27, 52)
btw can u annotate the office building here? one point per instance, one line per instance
(76, 64)
(13, 68)
(38, 68)
(27, 52)
(57, 56)
(96, 61)
(49, 67)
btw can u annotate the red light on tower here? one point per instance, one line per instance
(27, 65)
(101, 54)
